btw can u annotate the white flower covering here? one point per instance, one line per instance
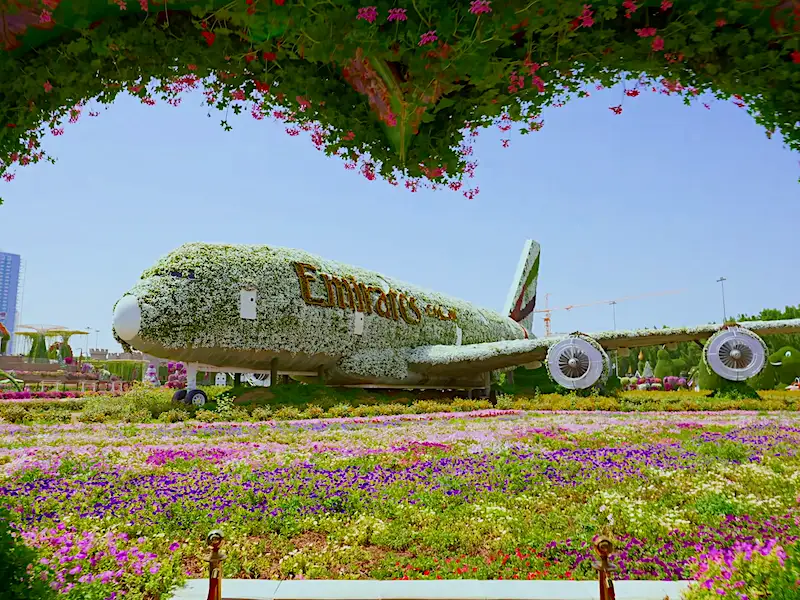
(202, 313)
(522, 351)
(179, 312)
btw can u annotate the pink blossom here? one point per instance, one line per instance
(397, 14)
(586, 16)
(658, 44)
(368, 13)
(646, 32)
(478, 7)
(45, 17)
(428, 38)
(48, 87)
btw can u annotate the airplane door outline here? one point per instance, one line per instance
(247, 304)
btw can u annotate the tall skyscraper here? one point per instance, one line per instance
(10, 293)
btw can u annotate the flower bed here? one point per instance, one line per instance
(494, 494)
(396, 91)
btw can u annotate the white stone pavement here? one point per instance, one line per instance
(453, 589)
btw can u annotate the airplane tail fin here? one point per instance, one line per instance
(522, 295)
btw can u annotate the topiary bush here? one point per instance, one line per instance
(664, 367)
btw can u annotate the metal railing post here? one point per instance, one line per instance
(604, 548)
(215, 539)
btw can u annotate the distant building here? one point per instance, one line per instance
(10, 293)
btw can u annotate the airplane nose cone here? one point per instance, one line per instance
(127, 318)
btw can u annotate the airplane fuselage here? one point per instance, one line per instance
(248, 308)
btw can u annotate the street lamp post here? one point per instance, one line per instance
(721, 281)
(613, 304)
(96, 337)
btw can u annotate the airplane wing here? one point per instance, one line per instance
(461, 360)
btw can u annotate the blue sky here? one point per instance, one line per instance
(661, 197)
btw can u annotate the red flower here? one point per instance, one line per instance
(666, 5)
(250, 57)
(658, 44)
(48, 87)
(268, 56)
(617, 110)
(209, 37)
(796, 57)
(646, 32)
(280, 2)
(721, 22)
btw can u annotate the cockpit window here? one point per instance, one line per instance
(188, 274)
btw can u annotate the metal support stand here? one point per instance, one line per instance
(215, 539)
(273, 372)
(191, 376)
(604, 548)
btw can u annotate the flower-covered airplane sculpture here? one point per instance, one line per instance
(262, 309)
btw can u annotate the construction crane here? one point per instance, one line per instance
(613, 303)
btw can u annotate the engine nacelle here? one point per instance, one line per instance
(577, 362)
(735, 353)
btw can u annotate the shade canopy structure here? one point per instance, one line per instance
(40, 334)
(396, 90)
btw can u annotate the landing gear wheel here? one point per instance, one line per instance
(179, 396)
(196, 398)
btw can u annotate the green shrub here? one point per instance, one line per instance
(206, 416)
(215, 391)
(19, 567)
(224, 405)
(287, 413)
(174, 415)
(313, 412)
(107, 409)
(261, 413)
(339, 410)
(429, 406)
(14, 414)
(153, 400)
(464, 405)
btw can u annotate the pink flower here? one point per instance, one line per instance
(368, 13)
(45, 17)
(666, 5)
(646, 32)
(428, 38)
(658, 44)
(478, 7)
(397, 14)
(586, 16)
(48, 87)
